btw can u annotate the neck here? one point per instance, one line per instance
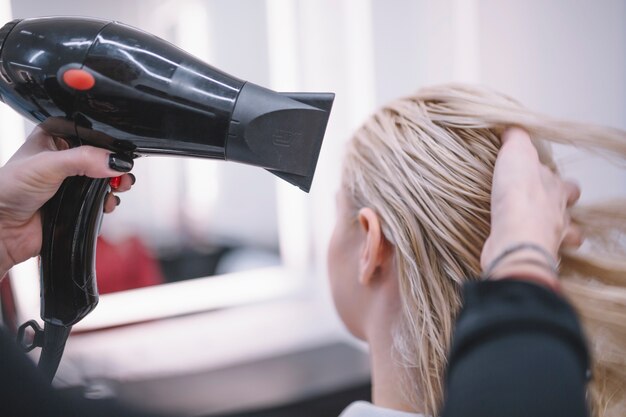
(387, 374)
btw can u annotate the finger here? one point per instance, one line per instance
(126, 182)
(518, 137)
(60, 144)
(554, 186)
(572, 191)
(514, 133)
(573, 237)
(517, 149)
(550, 179)
(84, 160)
(110, 202)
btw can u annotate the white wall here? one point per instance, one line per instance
(567, 59)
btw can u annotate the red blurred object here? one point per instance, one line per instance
(7, 302)
(115, 182)
(126, 265)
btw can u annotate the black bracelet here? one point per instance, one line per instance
(551, 265)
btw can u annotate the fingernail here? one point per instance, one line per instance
(117, 201)
(133, 179)
(120, 162)
(115, 182)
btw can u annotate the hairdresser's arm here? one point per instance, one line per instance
(32, 176)
(518, 349)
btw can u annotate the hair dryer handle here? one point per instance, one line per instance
(71, 222)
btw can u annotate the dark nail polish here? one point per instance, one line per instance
(117, 201)
(120, 162)
(133, 179)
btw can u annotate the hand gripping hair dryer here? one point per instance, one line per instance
(110, 85)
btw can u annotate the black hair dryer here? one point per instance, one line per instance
(110, 85)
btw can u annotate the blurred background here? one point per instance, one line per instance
(255, 328)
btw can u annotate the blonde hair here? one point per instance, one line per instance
(424, 163)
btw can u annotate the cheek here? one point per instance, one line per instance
(342, 273)
(334, 266)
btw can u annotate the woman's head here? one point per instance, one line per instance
(422, 166)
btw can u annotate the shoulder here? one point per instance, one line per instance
(366, 409)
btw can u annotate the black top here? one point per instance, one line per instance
(518, 350)
(24, 392)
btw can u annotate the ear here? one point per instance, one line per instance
(374, 251)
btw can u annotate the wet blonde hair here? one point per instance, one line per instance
(424, 163)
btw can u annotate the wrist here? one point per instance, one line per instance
(527, 271)
(528, 263)
(5, 260)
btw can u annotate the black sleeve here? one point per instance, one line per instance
(518, 350)
(24, 393)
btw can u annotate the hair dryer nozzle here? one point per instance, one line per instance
(281, 132)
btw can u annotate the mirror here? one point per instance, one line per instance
(186, 218)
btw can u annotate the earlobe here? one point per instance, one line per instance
(373, 248)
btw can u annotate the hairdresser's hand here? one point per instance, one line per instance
(529, 203)
(33, 175)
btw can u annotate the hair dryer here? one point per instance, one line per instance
(110, 85)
